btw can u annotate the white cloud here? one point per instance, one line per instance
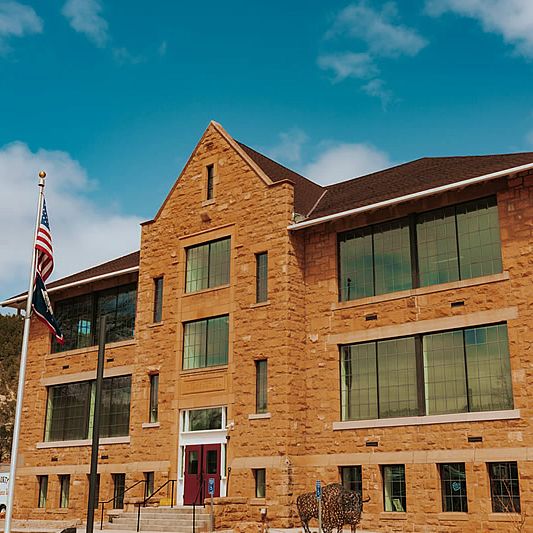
(17, 20)
(348, 65)
(84, 233)
(378, 88)
(124, 57)
(162, 50)
(289, 148)
(84, 17)
(513, 19)
(379, 30)
(342, 161)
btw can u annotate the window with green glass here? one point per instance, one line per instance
(375, 260)
(352, 478)
(443, 245)
(70, 409)
(458, 371)
(459, 242)
(378, 379)
(453, 487)
(394, 494)
(205, 342)
(208, 265)
(79, 317)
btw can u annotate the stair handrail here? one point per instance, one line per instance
(114, 498)
(143, 503)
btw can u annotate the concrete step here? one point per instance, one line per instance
(157, 522)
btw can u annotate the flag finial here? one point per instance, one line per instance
(42, 174)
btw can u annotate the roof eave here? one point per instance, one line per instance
(408, 197)
(22, 298)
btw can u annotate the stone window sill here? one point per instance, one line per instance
(211, 201)
(421, 291)
(452, 516)
(203, 291)
(82, 442)
(259, 416)
(430, 419)
(505, 517)
(259, 304)
(390, 515)
(148, 425)
(156, 324)
(91, 349)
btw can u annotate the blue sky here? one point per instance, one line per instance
(112, 96)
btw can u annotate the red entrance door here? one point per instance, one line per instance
(202, 462)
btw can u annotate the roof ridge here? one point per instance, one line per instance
(509, 154)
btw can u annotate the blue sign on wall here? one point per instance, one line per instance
(211, 486)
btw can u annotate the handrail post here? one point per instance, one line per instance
(139, 518)
(172, 494)
(102, 517)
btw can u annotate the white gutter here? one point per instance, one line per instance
(22, 297)
(413, 196)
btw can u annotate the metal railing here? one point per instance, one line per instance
(143, 503)
(116, 497)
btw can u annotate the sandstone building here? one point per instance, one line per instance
(271, 332)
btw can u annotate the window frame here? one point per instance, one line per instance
(158, 299)
(385, 468)
(260, 482)
(42, 487)
(153, 409)
(261, 386)
(119, 481)
(210, 182)
(205, 343)
(261, 277)
(446, 496)
(64, 491)
(421, 383)
(499, 505)
(93, 298)
(356, 480)
(208, 266)
(89, 409)
(412, 221)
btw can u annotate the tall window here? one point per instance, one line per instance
(208, 265)
(504, 487)
(453, 486)
(70, 412)
(261, 277)
(79, 317)
(158, 299)
(394, 488)
(210, 181)
(205, 342)
(462, 371)
(148, 484)
(119, 485)
(43, 491)
(64, 491)
(352, 478)
(261, 386)
(260, 482)
(375, 260)
(458, 242)
(115, 411)
(154, 393)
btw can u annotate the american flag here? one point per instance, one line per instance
(43, 245)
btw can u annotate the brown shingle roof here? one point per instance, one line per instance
(415, 176)
(121, 263)
(115, 265)
(306, 192)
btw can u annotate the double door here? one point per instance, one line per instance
(202, 462)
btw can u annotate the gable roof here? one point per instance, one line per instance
(412, 177)
(306, 192)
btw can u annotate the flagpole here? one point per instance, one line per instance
(23, 359)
